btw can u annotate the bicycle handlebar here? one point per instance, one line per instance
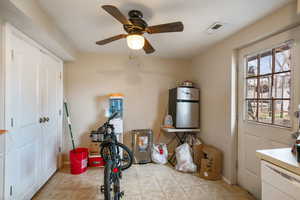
(113, 116)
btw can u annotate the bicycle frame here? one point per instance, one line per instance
(113, 156)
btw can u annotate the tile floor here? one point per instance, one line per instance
(140, 182)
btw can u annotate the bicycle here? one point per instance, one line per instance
(117, 156)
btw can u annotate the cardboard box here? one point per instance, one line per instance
(95, 148)
(211, 163)
(198, 155)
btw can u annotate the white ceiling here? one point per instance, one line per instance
(84, 22)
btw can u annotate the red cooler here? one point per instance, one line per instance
(79, 160)
(96, 161)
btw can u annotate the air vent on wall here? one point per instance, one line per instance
(215, 27)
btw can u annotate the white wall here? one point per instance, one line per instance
(31, 19)
(212, 72)
(1, 109)
(1, 76)
(143, 80)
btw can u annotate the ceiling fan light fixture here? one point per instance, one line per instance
(135, 41)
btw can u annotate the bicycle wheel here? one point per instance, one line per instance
(127, 158)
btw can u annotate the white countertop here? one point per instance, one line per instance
(282, 157)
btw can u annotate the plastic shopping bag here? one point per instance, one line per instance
(184, 159)
(159, 153)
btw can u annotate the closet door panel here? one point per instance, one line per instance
(1, 175)
(50, 112)
(24, 95)
(22, 156)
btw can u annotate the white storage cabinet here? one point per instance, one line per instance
(278, 183)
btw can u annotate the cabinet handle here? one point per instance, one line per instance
(286, 176)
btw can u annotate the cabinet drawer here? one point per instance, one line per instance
(281, 179)
(271, 193)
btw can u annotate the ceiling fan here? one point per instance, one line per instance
(135, 27)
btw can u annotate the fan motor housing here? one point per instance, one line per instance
(138, 25)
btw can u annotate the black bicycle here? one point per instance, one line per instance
(117, 156)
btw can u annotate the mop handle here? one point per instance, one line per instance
(69, 124)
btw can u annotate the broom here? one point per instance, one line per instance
(69, 123)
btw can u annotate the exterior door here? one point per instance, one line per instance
(22, 144)
(49, 73)
(268, 96)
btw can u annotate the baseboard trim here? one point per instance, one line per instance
(226, 180)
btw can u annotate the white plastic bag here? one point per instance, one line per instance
(159, 153)
(184, 159)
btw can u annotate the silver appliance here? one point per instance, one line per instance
(142, 141)
(184, 107)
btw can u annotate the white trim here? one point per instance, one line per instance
(226, 180)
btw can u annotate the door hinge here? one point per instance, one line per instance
(11, 191)
(12, 54)
(59, 149)
(60, 76)
(59, 112)
(12, 122)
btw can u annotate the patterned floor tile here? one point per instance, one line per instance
(140, 182)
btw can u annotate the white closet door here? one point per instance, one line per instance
(1, 175)
(22, 162)
(49, 81)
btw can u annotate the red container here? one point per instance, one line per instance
(79, 160)
(96, 161)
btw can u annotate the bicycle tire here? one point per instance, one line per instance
(117, 189)
(126, 149)
(107, 180)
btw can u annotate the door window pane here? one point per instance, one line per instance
(265, 63)
(282, 85)
(282, 113)
(268, 87)
(282, 59)
(265, 111)
(252, 88)
(251, 110)
(252, 66)
(265, 86)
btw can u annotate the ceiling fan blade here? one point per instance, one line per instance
(111, 39)
(165, 28)
(148, 48)
(116, 13)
